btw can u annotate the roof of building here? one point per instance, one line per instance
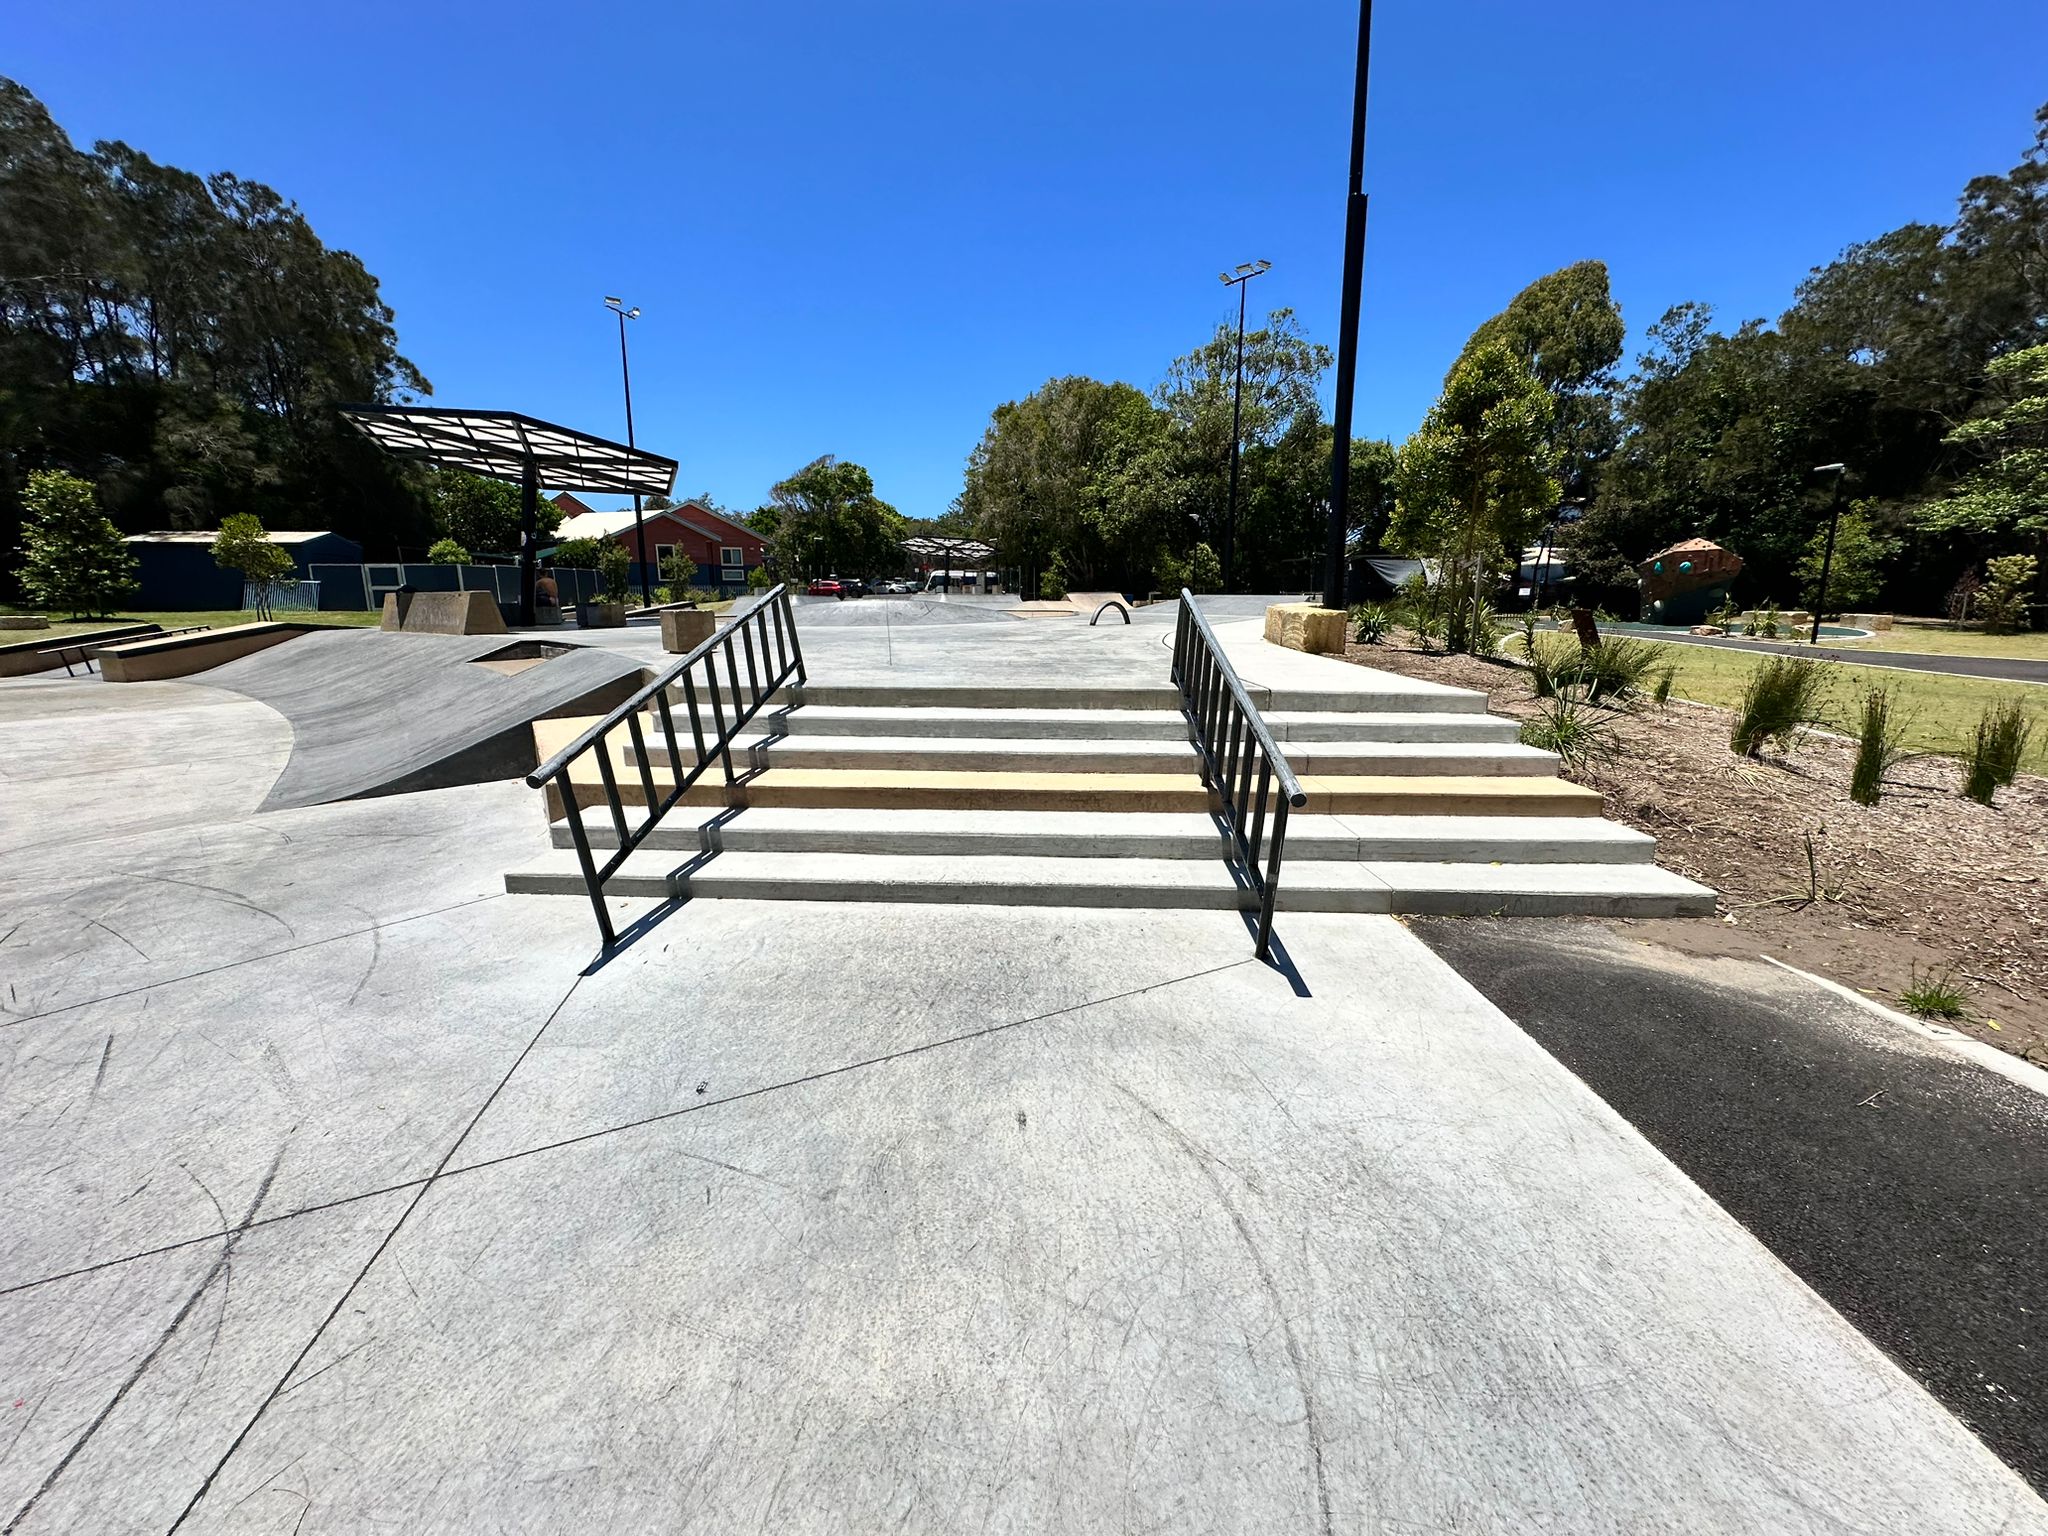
(570, 505)
(275, 535)
(608, 525)
(505, 445)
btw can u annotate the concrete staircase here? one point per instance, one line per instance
(1418, 801)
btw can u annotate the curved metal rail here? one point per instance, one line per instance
(1236, 748)
(1121, 608)
(774, 661)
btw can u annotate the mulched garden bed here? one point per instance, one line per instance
(1925, 881)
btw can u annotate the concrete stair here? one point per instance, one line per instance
(1418, 801)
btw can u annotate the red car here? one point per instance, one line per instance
(825, 586)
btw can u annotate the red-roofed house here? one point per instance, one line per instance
(723, 551)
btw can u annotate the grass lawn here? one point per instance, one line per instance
(220, 619)
(1940, 640)
(1943, 710)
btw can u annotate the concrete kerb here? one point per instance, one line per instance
(2008, 1066)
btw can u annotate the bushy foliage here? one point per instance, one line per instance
(447, 552)
(1880, 746)
(1784, 695)
(1572, 728)
(1992, 760)
(614, 565)
(2002, 600)
(243, 546)
(76, 560)
(581, 554)
(1370, 623)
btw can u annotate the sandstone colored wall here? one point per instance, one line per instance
(1306, 627)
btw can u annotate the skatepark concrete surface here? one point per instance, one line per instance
(344, 1192)
(376, 714)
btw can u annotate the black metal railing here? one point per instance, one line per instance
(1240, 759)
(715, 710)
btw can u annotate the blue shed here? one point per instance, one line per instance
(176, 570)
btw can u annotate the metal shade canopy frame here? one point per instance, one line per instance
(521, 450)
(926, 547)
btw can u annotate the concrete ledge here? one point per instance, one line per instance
(21, 657)
(24, 621)
(1306, 627)
(443, 613)
(147, 660)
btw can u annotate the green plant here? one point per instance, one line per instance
(1660, 691)
(1934, 995)
(758, 579)
(701, 596)
(1618, 670)
(243, 546)
(580, 554)
(76, 559)
(1724, 617)
(613, 565)
(1765, 624)
(1528, 622)
(1880, 746)
(447, 552)
(1992, 759)
(1428, 629)
(1784, 693)
(1572, 729)
(2002, 603)
(1205, 571)
(1373, 620)
(1552, 659)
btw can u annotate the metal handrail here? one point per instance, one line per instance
(1231, 738)
(780, 658)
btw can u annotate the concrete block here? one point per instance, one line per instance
(1878, 622)
(1306, 627)
(149, 660)
(684, 629)
(23, 621)
(443, 613)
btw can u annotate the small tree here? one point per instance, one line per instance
(447, 552)
(242, 545)
(1205, 571)
(2002, 604)
(76, 559)
(1857, 571)
(613, 564)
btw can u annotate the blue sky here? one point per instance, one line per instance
(856, 227)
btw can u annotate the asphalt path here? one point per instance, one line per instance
(1902, 1182)
(2007, 669)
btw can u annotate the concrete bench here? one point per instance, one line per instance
(443, 613)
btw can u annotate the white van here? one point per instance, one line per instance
(963, 581)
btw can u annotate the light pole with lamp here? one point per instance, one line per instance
(618, 307)
(1240, 279)
(1827, 558)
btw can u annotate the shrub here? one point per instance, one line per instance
(701, 596)
(242, 546)
(1880, 746)
(1552, 659)
(76, 559)
(613, 565)
(447, 552)
(1429, 630)
(758, 579)
(1619, 670)
(1992, 759)
(1572, 729)
(1784, 693)
(1205, 571)
(2002, 604)
(1373, 620)
(1933, 996)
(1660, 691)
(581, 554)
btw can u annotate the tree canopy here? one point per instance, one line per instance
(826, 519)
(179, 341)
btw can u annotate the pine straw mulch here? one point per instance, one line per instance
(1924, 882)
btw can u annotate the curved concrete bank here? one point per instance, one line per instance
(378, 714)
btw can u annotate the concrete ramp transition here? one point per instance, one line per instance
(383, 714)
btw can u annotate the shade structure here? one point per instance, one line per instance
(929, 547)
(502, 444)
(505, 445)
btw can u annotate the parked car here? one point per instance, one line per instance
(852, 586)
(824, 586)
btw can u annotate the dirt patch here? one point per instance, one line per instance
(1925, 880)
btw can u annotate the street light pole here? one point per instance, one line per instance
(618, 307)
(1347, 338)
(1827, 559)
(1240, 279)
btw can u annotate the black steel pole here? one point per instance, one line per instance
(529, 537)
(1236, 439)
(639, 528)
(1347, 337)
(1827, 559)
